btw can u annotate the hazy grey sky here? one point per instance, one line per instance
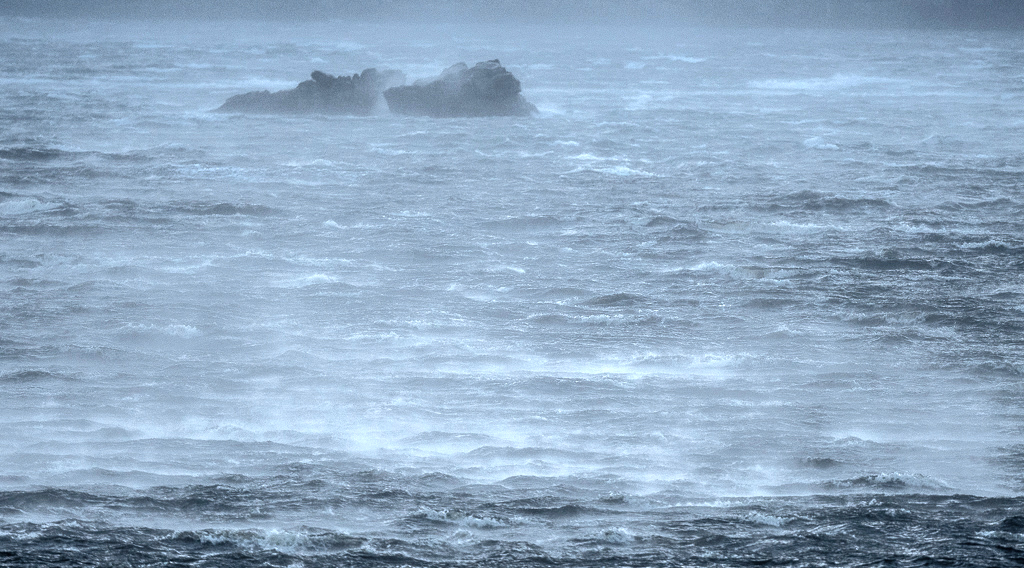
(914, 13)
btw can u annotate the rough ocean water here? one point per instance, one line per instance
(731, 298)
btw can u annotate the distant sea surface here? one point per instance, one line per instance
(731, 298)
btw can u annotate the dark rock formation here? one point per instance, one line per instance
(486, 89)
(359, 94)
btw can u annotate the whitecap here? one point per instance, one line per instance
(834, 83)
(819, 143)
(306, 163)
(591, 158)
(181, 330)
(26, 205)
(514, 269)
(801, 227)
(764, 519)
(640, 102)
(623, 171)
(677, 58)
(308, 280)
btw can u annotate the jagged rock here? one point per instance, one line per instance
(486, 89)
(359, 94)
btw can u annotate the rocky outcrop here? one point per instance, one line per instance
(486, 89)
(359, 94)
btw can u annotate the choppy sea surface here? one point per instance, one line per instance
(731, 298)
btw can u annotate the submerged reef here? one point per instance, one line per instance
(486, 89)
(359, 94)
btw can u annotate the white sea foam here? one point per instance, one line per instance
(620, 170)
(676, 58)
(319, 162)
(819, 143)
(22, 206)
(836, 82)
(764, 519)
(308, 280)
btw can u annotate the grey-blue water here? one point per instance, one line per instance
(732, 297)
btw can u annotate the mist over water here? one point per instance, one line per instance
(852, 14)
(731, 297)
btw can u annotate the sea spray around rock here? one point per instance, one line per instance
(486, 89)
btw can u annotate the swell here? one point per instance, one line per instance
(863, 530)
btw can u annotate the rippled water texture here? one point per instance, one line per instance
(731, 298)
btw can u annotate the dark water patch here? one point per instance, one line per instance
(526, 482)
(998, 369)
(125, 206)
(1011, 458)
(98, 544)
(387, 498)
(883, 263)
(63, 210)
(33, 376)
(227, 209)
(35, 283)
(1013, 524)
(549, 319)
(621, 299)
(821, 463)
(662, 221)
(885, 482)
(976, 255)
(212, 502)
(436, 481)
(559, 513)
(561, 293)
(994, 247)
(374, 477)
(115, 433)
(688, 231)
(33, 154)
(1007, 295)
(528, 224)
(47, 229)
(672, 230)
(772, 303)
(980, 319)
(19, 262)
(127, 209)
(48, 498)
(821, 202)
(1000, 204)
(953, 172)
(130, 157)
(898, 530)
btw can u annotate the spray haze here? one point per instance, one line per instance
(740, 284)
(756, 13)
